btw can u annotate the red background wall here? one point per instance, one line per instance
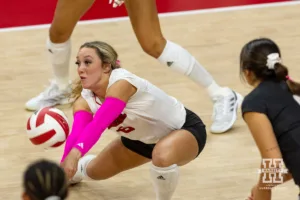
(33, 12)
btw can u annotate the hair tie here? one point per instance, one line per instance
(53, 198)
(118, 62)
(273, 58)
(288, 78)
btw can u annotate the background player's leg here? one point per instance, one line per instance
(176, 149)
(113, 159)
(66, 16)
(145, 23)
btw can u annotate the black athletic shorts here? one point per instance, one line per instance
(193, 124)
(290, 149)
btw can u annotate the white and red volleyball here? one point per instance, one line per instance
(48, 127)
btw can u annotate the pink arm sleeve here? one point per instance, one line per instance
(107, 113)
(81, 120)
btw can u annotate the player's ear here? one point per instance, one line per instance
(106, 67)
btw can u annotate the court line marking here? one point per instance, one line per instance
(170, 14)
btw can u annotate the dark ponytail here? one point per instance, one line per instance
(262, 56)
(281, 72)
(294, 86)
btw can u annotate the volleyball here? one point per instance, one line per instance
(48, 127)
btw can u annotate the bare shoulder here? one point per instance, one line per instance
(81, 104)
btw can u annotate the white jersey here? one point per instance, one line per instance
(150, 113)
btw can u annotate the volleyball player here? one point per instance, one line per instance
(152, 126)
(272, 114)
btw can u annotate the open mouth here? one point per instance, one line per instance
(82, 78)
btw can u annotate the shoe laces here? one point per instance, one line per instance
(219, 109)
(52, 92)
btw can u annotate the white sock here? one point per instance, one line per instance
(183, 62)
(164, 181)
(60, 58)
(84, 161)
(214, 89)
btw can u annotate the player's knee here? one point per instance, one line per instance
(153, 46)
(162, 155)
(59, 35)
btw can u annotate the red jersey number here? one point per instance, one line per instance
(120, 120)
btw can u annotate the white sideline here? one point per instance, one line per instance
(193, 12)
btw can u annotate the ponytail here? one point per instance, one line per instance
(281, 73)
(76, 90)
(294, 86)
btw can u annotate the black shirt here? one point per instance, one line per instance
(276, 101)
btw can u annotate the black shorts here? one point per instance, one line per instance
(193, 124)
(290, 149)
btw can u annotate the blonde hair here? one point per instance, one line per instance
(106, 53)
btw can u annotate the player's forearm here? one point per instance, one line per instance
(81, 120)
(107, 113)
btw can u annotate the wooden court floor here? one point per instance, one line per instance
(226, 169)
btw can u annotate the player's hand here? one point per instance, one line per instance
(116, 3)
(71, 162)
